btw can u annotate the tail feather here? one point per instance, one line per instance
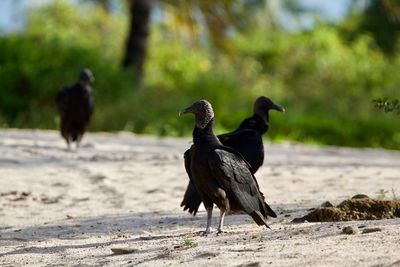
(259, 218)
(269, 211)
(192, 207)
(191, 200)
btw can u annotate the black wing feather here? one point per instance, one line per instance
(238, 136)
(191, 200)
(61, 100)
(249, 143)
(239, 183)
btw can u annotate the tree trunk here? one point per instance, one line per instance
(136, 44)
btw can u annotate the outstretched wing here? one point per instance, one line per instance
(233, 174)
(191, 200)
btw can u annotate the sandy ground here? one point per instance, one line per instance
(123, 190)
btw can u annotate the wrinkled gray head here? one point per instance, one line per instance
(86, 75)
(264, 104)
(203, 112)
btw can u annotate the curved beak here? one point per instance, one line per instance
(278, 108)
(185, 111)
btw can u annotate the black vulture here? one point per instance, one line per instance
(75, 105)
(220, 173)
(247, 140)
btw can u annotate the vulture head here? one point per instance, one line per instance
(263, 105)
(202, 111)
(86, 76)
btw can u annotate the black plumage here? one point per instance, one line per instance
(220, 174)
(246, 139)
(75, 105)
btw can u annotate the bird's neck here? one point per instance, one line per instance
(263, 124)
(205, 135)
(84, 83)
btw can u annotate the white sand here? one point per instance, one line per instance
(124, 190)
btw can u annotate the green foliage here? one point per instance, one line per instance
(387, 105)
(381, 194)
(325, 84)
(380, 20)
(189, 243)
(58, 42)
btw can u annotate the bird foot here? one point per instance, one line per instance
(206, 232)
(220, 232)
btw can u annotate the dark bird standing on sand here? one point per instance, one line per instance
(75, 105)
(247, 140)
(220, 173)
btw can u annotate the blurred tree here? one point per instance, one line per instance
(214, 21)
(138, 32)
(211, 20)
(381, 19)
(136, 42)
(105, 4)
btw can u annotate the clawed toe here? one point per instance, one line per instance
(205, 233)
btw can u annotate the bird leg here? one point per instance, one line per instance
(78, 141)
(221, 221)
(68, 144)
(209, 217)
